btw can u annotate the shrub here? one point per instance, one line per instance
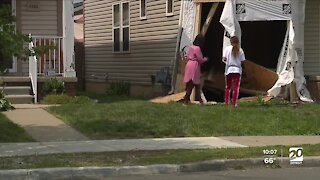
(5, 105)
(81, 100)
(65, 99)
(53, 86)
(119, 88)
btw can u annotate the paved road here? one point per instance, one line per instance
(252, 174)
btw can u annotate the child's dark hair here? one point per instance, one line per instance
(199, 41)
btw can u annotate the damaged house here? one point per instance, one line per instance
(140, 42)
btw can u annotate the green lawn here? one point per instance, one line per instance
(10, 132)
(146, 157)
(129, 118)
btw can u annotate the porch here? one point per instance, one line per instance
(18, 89)
(26, 86)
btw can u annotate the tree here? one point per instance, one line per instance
(12, 43)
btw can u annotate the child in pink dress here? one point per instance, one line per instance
(192, 71)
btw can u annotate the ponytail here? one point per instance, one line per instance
(235, 51)
(235, 46)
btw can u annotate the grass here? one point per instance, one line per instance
(123, 117)
(144, 157)
(10, 132)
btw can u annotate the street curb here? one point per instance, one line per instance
(103, 172)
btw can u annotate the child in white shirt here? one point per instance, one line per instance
(233, 56)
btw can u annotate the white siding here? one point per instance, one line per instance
(152, 41)
(312, 38)
(41, 22)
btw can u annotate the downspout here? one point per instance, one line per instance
(64, 48)
(177, 55)
(68, 39)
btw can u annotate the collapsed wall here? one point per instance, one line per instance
(290, 61)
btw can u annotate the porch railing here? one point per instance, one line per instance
(51, 62)
(33, 71)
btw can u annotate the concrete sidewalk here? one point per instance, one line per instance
(22, 149)
(14, 149)
(256, 141)
(41, 125)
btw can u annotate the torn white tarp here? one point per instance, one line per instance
(263, 10)
(189, 12)
(298, 21)
(230, 22)
(290, 62)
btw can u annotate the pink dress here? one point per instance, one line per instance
(192, 69)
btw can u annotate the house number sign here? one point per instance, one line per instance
(33, 5)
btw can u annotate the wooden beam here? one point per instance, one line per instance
(293, 93)
(209, 19)
(197, 23)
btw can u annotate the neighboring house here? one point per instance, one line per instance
(78, 7)
(50, 22)
(129, 41)
(79, 48)
(135, 40)
(78, 27)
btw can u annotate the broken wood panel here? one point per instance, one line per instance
(170, 98)
(208, 1)
(246, 91)
(257, 77)
(216, 81)
(255, 80)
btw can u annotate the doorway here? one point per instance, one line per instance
(262, 42)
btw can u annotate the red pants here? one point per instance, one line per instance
(235, 78)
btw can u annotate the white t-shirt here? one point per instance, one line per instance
(233, 64)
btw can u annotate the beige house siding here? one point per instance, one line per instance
(312, 38)
(152, 42)
(42, 21)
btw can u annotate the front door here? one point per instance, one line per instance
(11, 63)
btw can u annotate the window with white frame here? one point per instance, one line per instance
(143, 9)
(169, 7)
(121, 27)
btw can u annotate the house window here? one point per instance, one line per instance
(143, 6)
(170, 5)
(121, 27)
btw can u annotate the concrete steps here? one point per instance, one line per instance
(20, 99)
(17, 90)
